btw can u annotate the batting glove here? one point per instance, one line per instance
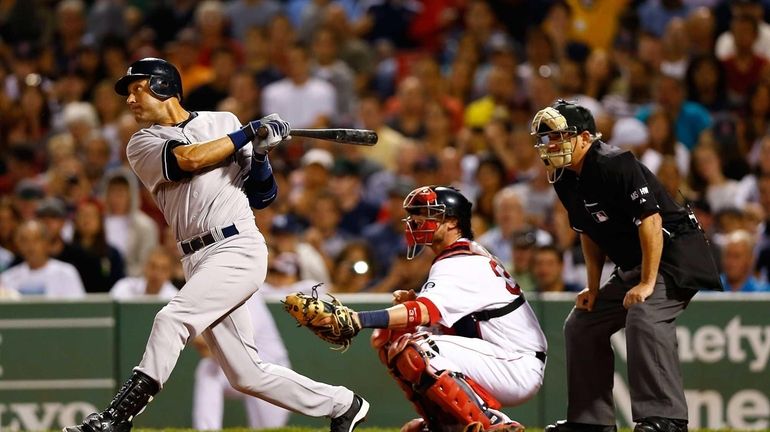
(277, 131)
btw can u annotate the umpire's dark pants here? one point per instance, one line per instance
(654, 376)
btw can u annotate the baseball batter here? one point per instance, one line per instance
(485, 348)
(205, 170)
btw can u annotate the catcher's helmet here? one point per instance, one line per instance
(165, 81)
(435, 204)
(554, 127)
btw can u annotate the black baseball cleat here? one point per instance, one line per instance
(99, 423)
(131, 399)
(353, 416)
(660, 424)
(568, 426)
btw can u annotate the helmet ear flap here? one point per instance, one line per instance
(160, 87)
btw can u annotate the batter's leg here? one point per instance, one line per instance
(263, 414)
(231, 342)
(217, 283)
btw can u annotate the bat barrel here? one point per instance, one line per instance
(346, 136)
(362, 137)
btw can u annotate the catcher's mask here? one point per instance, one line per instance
(427, 208)
(425, 214)
(556, 129)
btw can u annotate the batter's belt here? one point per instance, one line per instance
(207, 238)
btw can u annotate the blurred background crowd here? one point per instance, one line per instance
(449, 85)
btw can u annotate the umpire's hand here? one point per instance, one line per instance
(586, 298)
(638, 294)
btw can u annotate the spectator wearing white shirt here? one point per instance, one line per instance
(725, 44)
(303, 100)
(39, 274)
(127, 228)
(156, 280)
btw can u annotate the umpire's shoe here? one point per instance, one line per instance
(353, 416)
(131, 399)
(660, 424)
(568, 426)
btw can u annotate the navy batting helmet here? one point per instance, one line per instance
(164, 78)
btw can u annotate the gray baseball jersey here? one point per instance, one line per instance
(221, 276)
(210, 198)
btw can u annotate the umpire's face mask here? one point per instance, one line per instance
(555, 141)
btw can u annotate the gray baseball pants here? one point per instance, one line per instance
(220, 278)
(654, 376)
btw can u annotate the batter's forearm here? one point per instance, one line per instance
(194, 157)
(651, 241)
(594, 257)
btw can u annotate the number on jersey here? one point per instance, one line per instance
(500, 271)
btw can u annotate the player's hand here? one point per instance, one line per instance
(638, 294)
(401, 296)
(272, 130)
(585, 299)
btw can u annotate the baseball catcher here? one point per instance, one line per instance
(465, 345)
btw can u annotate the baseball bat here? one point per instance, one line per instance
(362, 137)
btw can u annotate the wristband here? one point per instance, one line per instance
(374, 319)
(242, 136)
(413, 314)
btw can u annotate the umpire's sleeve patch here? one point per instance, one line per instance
(171, 169)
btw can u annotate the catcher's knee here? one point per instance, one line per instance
(407, 359)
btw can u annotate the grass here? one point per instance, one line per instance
(372, 429)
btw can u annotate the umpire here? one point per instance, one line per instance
(622, 212)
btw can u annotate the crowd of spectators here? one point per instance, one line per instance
(450, 86)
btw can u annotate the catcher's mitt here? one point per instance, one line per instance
(331, 321)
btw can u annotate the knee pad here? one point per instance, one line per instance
(407, 359)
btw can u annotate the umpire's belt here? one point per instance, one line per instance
(209, 237)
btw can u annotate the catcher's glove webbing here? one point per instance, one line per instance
(330, 320)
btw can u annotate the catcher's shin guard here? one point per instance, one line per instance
(130, 400)
(454, 396)
(444, 399)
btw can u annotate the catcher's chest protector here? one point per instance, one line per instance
(444, 399)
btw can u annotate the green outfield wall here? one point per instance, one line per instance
(61, 360)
